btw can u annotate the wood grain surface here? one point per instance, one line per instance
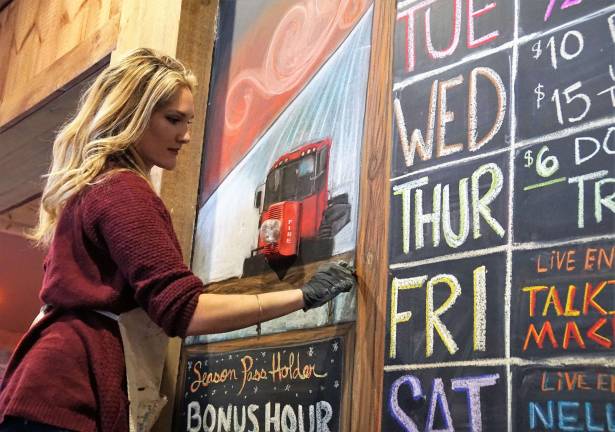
(372, 260)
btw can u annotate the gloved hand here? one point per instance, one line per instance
(330, 280)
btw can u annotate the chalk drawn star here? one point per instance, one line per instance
(213, 392)
(263, 353)
(226, 392)
(311, 351)
(287, 388)
(322, 388)
(190, 364)
(336, 384)
(230, 357)
(255, 389)
(336, 346)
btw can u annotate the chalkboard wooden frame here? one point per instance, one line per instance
(345, 331)
(372, 243)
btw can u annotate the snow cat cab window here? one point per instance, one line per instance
(291, 182)
(321, 169)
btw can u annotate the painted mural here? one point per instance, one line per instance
(280, 174)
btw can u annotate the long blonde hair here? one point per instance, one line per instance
(112, 115)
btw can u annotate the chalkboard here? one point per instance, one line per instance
(501, 288)
(287, 386)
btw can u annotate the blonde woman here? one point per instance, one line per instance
(112, 252)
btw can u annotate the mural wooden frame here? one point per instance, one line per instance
(365, 358)
(365, 354)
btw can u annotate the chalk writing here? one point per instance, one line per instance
(580, 93)
(578, 172)
(251, 390)
(444, 402)
(565, 4)
(566, 299)
(566, 399)
(432, 216)
(429, 319)
(277, 417)
(439, 115)
(421, 44)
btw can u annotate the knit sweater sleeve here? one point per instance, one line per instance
(126, 217)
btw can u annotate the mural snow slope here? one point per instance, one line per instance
(331, 105)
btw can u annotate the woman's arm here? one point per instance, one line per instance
(216, 313)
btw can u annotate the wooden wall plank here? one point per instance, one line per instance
(372, 244)
(179, 188)
(152, 24)
(45, 45)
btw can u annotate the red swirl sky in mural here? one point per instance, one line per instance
(269, 63)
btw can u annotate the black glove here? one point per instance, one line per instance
(330, 280)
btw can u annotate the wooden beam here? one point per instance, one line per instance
(25, 149)
(21, 218)
(372, 244)
(45, 45)
(179, 188)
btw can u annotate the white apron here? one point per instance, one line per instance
(145, 349)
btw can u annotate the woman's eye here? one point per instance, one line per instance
(173, 120)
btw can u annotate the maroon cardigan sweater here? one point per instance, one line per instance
(114, 249)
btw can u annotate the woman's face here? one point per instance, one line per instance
(167, 131)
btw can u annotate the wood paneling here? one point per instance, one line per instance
(372, 245)
(47, 44)
(148, 23)
(21, 218)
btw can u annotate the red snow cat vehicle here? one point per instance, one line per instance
(298, 218)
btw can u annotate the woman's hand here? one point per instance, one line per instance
(330, 280)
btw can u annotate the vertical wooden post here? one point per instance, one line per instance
(179, 188)
(372, 244)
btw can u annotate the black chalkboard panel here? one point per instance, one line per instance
(545, 248)
(439, 111)
(445, 399)
(268, 389)
(563, 300)
(456, 311)
(555, 87)
(448, 35)
(564, 188)
(540, 15)
(465, 226)
(574, 398)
